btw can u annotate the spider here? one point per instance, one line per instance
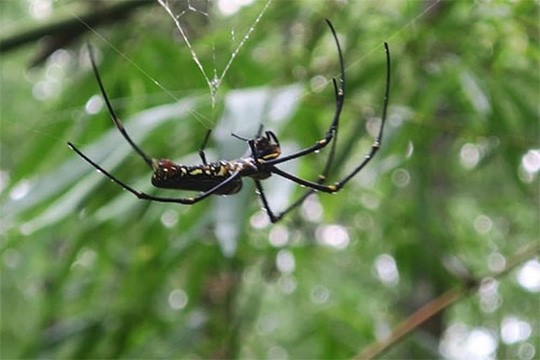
(264, 153)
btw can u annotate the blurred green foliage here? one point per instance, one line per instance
(89, 271)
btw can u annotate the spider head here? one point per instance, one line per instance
(266, 147)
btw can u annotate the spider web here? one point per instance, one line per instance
(179, 10)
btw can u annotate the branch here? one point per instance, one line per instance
(66, 27)
(439, 304)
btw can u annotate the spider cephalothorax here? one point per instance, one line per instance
(265, 147)
(264, 153)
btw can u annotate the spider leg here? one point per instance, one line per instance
(119, 125)
(202, 155)
(378, 140)
(266, 205)
(261, 127)
(339, 91)
(239, 137)
(145, 196)
(275, 218)
(315, 185)
(321, 179)
(319, 184)
(340, 98)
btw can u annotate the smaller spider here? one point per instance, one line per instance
(264, 153)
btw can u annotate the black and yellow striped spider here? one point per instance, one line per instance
(264, 154)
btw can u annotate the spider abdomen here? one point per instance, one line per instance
(169, 175)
